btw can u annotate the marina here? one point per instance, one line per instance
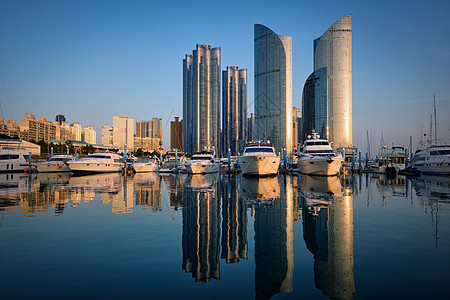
(224, 236)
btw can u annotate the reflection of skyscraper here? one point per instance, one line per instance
(274, 255)
(273, 88)
(201, 227)
(234, 224)
(147, 191)
(329, 236)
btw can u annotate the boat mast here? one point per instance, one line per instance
(435, 119)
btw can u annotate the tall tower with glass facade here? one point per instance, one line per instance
(273, 88)
(201, 99)
(327, 95)
(234, 110)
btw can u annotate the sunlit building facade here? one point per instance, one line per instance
(123, 132)
(273, 88)
(201, 99)
(90, 136)
(328, 90)
(234, 110)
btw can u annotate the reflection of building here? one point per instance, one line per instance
(147, 190)
(234, 223)
(201, 227)
(328, 234)
(201, 99)
(273, 88)
(274, 253)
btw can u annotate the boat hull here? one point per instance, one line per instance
(202, 168)
(144, 168)
(322, 166)
(94, 167)
(259, 165)
(45, 167)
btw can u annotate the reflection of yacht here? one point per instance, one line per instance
(97, 163)
(435, 188)
(316, 157)
(259, 190)
(259, 159)
(57, 163)
(432, 160)
(202, 162)
(54, 178)
(107, 183)
(318, 192)
(13, 161)
(145, 179)
(203, 183)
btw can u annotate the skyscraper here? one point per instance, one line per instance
(176, 134)
(60, 119)
(234, 110)
(201, 99)
(90, 136)
(327, 95)
(123, 132)
(273, 88)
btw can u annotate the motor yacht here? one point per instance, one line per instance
(97, 163)
(151, 165)
(202, 162)
(432, 160)
(13, 161)
(316, 157)
(259, 159)
(57, 163)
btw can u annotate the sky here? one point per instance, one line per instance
(92, 60)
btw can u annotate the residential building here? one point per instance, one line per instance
(123, 132)
(234, 110)
(60, 119)
(273, 88)
(76, 130)
(44, 130)
(107, 135)
(90, 136)
(152, 128)
(251, 127)
(146, 144)
(201, 99)
(176, 134)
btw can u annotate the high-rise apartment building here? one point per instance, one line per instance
(60, 119)
(327, 94)
(201, 99)
(176, 134)
(296, 116)
(123, 132)
(76, 130)
(273, 88)
(44, 130)
(234, 110)
(251, 127)
(107, 136)
(149, 129)
(90, 136)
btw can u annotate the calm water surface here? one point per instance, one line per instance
(215, 236)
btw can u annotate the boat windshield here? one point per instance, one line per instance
(316, 143)
(57, 159)
(440, 152)
(201, 157)
(258, 150)
(319, 151)
(98, 156)
(9, 156)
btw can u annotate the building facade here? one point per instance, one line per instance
(273, 88)
(327, 95)
(149, 129)
(76, 130)
(90, 136)
(123, 132)
(201, 99)
(107, 136)
(44, 130)
(234, 110)
(60, 119)
(250, 127)
(176, 134)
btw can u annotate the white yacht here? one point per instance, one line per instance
(259, 159)
(57, 163)
(13, 161)
(316, 157)
(97, 163)
(151, 165)
(432, 160)
(202, 162)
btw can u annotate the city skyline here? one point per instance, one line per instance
(92, 60)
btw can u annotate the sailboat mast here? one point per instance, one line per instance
(435, 119)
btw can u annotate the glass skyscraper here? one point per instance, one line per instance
(201, 99)
(273, 88)
(234, 110)
(327, 95)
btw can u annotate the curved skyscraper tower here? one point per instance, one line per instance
(329, 89)
(273, 88)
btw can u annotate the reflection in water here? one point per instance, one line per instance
(201, 227)
(328, 234)
(274, 255)
(234, 224)
(147, 190)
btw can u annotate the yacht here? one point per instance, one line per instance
(173, 162)
(432, 160)
(259, 159)
(13, 161)
(202, 162)
(316, 157)
(151, 165)
(57, 163)
(97, 163)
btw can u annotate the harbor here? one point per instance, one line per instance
(341, 237)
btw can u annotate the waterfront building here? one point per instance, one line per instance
(327, 94)
(60, 119)
(149, 129)
(123, 132)
(234, 110)
(76, 130)
(273, 88)
(12, 128)
(44, 130)
(107, 135)
(90, 136)
(176, 134)
(146, 144)
(250, 127)
(201, 99)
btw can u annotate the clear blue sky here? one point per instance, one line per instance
(90, 60)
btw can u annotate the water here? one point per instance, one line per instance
(221, 237)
